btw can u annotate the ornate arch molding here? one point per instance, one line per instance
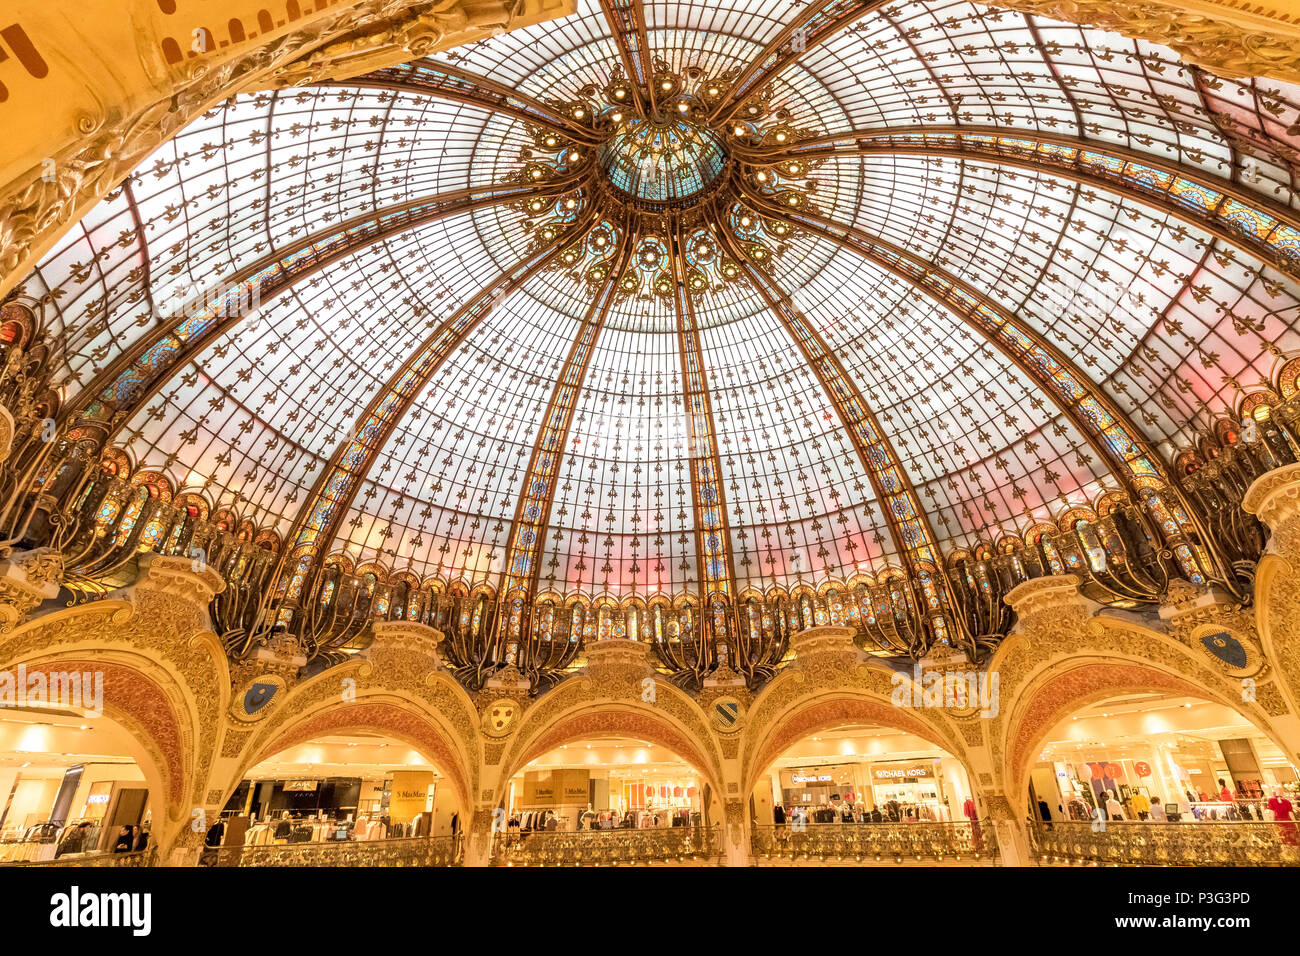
(820, 711)
(395, 717)
(429, 711)
(165, 679)
(621, 718)
(1277, 621)
(1065, 686)
(140, 698)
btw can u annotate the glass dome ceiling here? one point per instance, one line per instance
(890, 274)
(662, 163)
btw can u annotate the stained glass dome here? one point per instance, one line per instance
(809, 315)
(663, 163)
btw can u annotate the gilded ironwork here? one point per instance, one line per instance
(618, 847)
(1139, 843)
(886, 841)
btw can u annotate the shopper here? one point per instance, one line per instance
(1158, 811)
(1281, 808)
(1141, 805)
(125, 840)
(215, 834)
(1224, 793)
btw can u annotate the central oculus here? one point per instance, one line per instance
(662, 162)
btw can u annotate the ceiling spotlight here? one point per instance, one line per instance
(683, 107)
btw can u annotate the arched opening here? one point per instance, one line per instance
(1162, 777)
(605, 798)
(347, 798)
(857, 790)
(74, 783)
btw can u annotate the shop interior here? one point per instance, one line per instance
(1197, 760)
(68, 785)
(338, 788)
(863, 774)
(606, 783)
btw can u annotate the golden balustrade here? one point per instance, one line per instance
(899, 842)
(105, 859)
(415, 851)
(608, 847)
(1192, 843)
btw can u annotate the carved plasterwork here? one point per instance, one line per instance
(27, 578)
(1275, 500)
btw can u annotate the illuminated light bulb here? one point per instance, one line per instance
(780, 137)
(713, 91)
(745, 220)
(600, 240)
(793, 200)
(762, 177)
(551, 141)
(579, 113)
(617, 117)
(576, 155)
(570, 203)
(683, 107)
(537, 174)
(666, 84)
(740, 130)
(794, 167)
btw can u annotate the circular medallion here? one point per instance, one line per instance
(253, 700)
(1235, 656)
(499, 717)
(727, 714)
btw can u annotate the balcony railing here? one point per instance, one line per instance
(142, 858)
(885, 842)
(418, 851)
(608, 847)
(1196, 843)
